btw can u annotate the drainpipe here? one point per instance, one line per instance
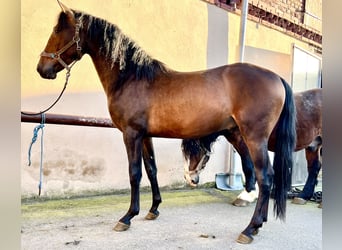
(243, 21)
(235, 181)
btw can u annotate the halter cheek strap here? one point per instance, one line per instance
(57, 55)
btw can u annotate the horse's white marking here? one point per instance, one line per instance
(251, 196)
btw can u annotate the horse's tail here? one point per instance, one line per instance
(283, 157)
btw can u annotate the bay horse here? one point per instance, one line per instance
(147, 99)
(309, 137)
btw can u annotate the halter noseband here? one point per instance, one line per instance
(57, 55)
(199, 166)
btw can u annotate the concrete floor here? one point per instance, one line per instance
(189, 219)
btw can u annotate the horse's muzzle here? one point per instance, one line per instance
(190, 181)
(195, 180)
(46, 72)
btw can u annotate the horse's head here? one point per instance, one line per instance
(196, 158)
(63, 48)
(195, 167)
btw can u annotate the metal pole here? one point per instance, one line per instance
(243, 21)
(61, 119)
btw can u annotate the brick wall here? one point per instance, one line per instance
(307, 13)
(290, 9)
(304, 12)
(298, 18)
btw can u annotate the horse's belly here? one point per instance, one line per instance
(188, 126)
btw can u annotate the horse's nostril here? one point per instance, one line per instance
(195, 181)
(193, 184)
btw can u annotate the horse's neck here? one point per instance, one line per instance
(108, 75)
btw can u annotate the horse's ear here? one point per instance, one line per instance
(64, 8)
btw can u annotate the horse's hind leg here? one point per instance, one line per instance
(264, 173)
(312, 154)
(151, 170)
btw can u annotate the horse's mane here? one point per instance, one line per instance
(133, 61)
(195, 146)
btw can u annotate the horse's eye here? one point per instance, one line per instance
(56, 30)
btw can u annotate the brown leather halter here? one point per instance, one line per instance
(57, 55)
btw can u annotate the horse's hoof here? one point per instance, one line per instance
(152, 216)
(299, 201)
(241, 203)
(120, 227)
(244, 239)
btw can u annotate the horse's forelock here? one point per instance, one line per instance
(191, 147)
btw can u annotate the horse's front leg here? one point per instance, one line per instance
(151, 170)
(133, 143)
(264, 173)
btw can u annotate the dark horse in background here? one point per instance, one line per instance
(146, 99)
(309, 137)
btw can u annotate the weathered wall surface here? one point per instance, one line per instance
(186, 35)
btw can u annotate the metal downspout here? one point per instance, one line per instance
(243, 21)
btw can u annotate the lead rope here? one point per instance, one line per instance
(34, 139)
(41, 127)
(67, 75)
(76, 39)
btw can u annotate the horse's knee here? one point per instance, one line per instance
(135, 181)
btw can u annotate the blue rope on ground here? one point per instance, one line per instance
(34, 139)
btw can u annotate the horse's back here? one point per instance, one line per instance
(182, 103)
